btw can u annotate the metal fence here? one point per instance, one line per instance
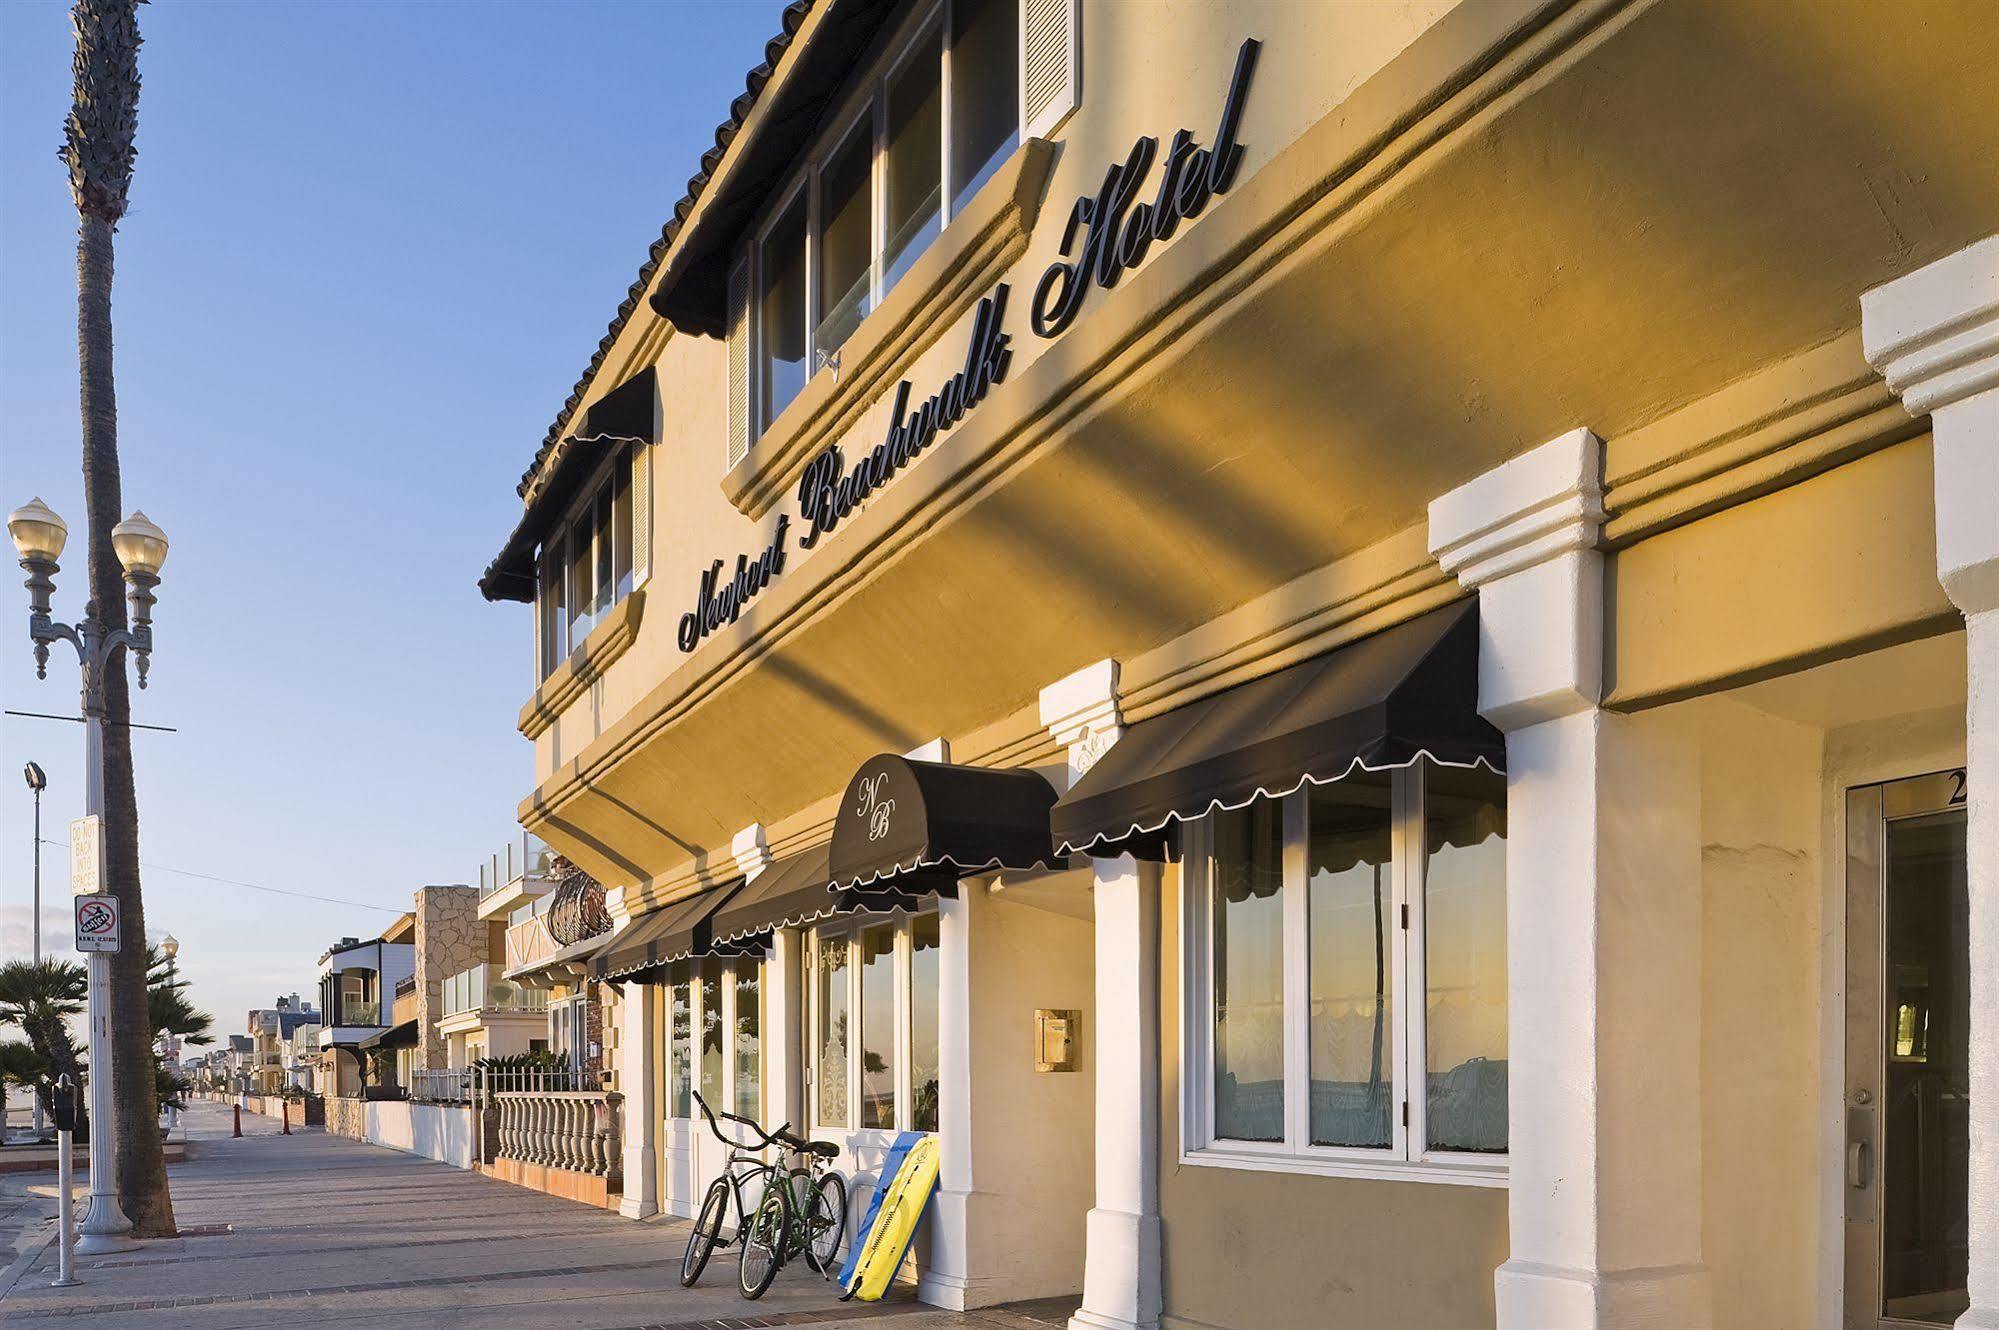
(543, 1080)
(453, 1085)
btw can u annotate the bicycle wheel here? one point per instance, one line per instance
(764, 1241)
(826, 1224)
(707, 1231)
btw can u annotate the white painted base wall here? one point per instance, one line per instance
(447, 1133)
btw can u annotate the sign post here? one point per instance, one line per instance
(97, 927)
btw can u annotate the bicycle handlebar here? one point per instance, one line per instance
(766, 1139)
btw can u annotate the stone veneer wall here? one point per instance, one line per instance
(347, 1117)
(449, 939)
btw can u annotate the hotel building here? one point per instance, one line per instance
(1356, 646)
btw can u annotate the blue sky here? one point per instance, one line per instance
(370, 247)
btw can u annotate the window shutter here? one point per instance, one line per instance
(641, 513)
(1051, 63)
(739, 361)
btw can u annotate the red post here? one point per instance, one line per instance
(239, 1121)
(287, 1111)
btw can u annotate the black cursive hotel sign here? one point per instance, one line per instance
(1117, 229)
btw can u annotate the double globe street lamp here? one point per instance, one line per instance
(39, 536)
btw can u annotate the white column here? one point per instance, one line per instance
(784, 1028)
(637, 1034)
(1603, 919)
(946, 1281)
(1122, 1257)
(1934, 335)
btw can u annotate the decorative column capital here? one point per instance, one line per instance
(751, 850)
(1542, 504)
(1934, 336)
(1526, 536)
(1081, 712)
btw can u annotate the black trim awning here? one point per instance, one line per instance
(904, 823)
(792, 892)
(629, 413)
(1383, 702)
(670, 933)
(396, 1036)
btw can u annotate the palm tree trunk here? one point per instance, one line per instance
(51, 1039)
(141, 1169)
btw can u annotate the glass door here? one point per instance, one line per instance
(1907, 1083)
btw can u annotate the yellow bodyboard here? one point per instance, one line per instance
(895, 1223)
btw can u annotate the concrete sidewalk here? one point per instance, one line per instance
(329, 1232)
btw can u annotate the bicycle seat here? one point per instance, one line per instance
(823, 1149)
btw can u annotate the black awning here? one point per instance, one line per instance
(1408, 692)
(629, 413)
(796, 890)
(666, 935)
(396, 1036)
(903, 822)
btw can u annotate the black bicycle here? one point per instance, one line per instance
(804, 1214)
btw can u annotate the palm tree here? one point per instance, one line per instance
(168, 1010)
(97, 148)
(22, 1065)
(40, 997)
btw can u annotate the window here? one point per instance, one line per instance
(744, 993)
(829, 1071)
(873, 196)
(680, 1052)
(1346, 979)
(586, 565)
(713, 1033)
(879, 979)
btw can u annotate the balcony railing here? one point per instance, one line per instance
(405, 1007)
(354, 1012)
(527, 856)
(530, 942)
(482, 988)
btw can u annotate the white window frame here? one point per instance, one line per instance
(849, 929)
(574, 518)
(1405, 1159)
(868, 100)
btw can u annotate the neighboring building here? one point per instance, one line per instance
(272, 1029)
(239, 1063)
(357, 982)
(1356, 647)
(301, 1056)
(481, 1012)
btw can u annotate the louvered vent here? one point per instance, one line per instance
(739, 362)
(1051, 60)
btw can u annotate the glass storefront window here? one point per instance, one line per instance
(1464, 940)
(680, 1052)
(712, 1032)
(1361, 926)
(878, 1027)
(1351, 926)
(923, 972)
(749, 1039)
(1249, 973)
(830, 1073)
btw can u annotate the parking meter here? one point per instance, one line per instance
(62, 1096)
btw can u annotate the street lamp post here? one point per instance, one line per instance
(39, 536)
(37, 782)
